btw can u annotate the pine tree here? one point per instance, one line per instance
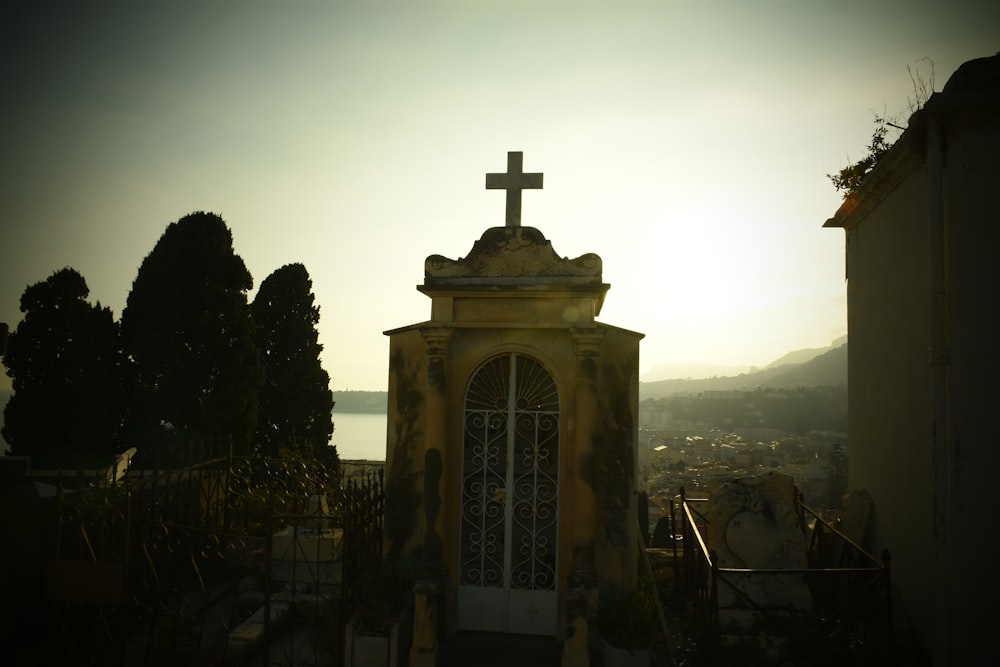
(187, 327)
(66, 366)
(296, 403)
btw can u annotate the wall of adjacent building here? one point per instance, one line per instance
(889, 402)
(922, 395)
(971, 186)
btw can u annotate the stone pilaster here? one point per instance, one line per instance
(424, 650)
(587, 343)
(435, 443)
(581, 611)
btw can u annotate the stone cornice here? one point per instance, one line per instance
(512, 256)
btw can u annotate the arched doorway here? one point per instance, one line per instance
(510, 493)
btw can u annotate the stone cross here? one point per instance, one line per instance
(513, 182)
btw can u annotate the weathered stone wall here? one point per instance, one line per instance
(615, 454)
(404, 479)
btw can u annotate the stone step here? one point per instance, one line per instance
(250, 635)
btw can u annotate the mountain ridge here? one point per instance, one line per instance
(697, 370)
(825, 369)
(806, 354)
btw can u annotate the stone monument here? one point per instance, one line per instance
(512, 432)
(753, 524)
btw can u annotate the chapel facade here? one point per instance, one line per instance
(512, 432)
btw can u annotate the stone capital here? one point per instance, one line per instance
(437, 339)
(587, 341)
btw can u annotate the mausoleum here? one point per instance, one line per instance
(512, 431)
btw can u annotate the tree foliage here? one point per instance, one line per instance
(182, 377)
(67, 370)
(188, 329)
(296, 403)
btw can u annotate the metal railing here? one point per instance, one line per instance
(850, 591)
(144, 571)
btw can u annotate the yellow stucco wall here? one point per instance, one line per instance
(595, 369)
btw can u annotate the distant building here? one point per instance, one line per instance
(922, 237)
(654, 416)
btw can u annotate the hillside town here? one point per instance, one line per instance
(731, 434)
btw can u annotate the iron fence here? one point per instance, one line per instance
(851, 615)
(177, 567)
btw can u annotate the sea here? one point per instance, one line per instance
(359, 436)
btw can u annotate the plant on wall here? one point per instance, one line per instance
(850, 178)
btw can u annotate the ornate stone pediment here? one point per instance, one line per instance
(504, 254)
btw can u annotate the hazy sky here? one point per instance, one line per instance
(687, 143)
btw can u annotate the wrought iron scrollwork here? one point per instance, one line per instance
(510, 476)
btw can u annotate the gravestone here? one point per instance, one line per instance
(308, 556)
(753, 523)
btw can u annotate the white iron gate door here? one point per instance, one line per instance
(510, 492)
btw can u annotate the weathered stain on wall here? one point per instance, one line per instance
(615, 459)
(433, 472)
(402, 495)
